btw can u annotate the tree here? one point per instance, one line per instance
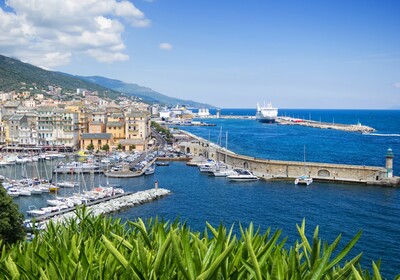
(90, 147)
(105, 147)
(11, 227)
(132, 147)
(119, 147)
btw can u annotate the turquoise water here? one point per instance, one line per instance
(336, 208)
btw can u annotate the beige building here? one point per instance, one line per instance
(97, 139)
(97, 127)
(137, 130)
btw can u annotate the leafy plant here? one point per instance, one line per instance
(106, 248)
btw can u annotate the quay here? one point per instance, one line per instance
(107, 205)
(268, 169)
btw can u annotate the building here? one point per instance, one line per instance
(138, 131)
(97, 127)
(97, 139)
(13, 124)
(57, 126)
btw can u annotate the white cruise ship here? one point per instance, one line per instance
(266, 114)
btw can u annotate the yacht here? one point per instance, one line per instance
(224, 173)
(266, 114)
(242, 175)
(303, 180)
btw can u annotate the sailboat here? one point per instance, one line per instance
(303, 179)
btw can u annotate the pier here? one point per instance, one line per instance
(324, 125)
(269, 169)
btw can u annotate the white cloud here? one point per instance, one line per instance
(49, 33)
(396, 85)
(165, 46)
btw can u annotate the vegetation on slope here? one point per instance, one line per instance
(147, 94)
(15, 75)
(104, 248)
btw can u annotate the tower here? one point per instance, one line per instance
(389, 163)
(218, 113)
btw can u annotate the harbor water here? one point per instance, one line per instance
(336, 208)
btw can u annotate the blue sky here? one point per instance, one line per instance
(232, 54)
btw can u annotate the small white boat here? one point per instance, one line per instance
(242, 175)
(67, 184)
(303, 180)
(224, 173)
(149, 170)
(13, 192)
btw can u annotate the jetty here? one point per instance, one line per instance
(324, 125)
(106, 205)
(303, 122)
(269, 169)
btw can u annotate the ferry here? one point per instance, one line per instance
(266, 114)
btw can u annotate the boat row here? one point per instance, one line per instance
(59, 203)
(10, 159)
(28, 187)
(220, 169)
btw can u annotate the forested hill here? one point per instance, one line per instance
(16, 75)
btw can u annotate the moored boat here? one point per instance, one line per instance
(242, 175)
(303, 180)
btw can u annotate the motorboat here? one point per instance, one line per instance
(149, 170)
(303, 180)
(224, 173)
(242, 175)
(162, 163)
(266, 114)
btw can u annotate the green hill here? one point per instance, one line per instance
(16, 75)
(147, 94)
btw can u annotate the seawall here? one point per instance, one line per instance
(289, 170)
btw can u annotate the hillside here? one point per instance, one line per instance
(15, 75)
(147, 94)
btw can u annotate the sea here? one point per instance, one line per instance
(338, 209)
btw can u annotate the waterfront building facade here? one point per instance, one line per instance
(98, 140)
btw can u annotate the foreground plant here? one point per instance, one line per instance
(105, 248)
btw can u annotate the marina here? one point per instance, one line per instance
(200, 197)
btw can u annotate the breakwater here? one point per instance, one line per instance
(324, 125)
(109, 205)
(289, 170)
(303, 122)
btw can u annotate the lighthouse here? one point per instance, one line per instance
(389, 163)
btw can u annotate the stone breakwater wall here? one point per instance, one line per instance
(289, 170)
(117, 204)
(323, 125)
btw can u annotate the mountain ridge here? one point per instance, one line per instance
(16, 75)
(145, 93)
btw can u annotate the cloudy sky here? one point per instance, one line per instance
(232, 54)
